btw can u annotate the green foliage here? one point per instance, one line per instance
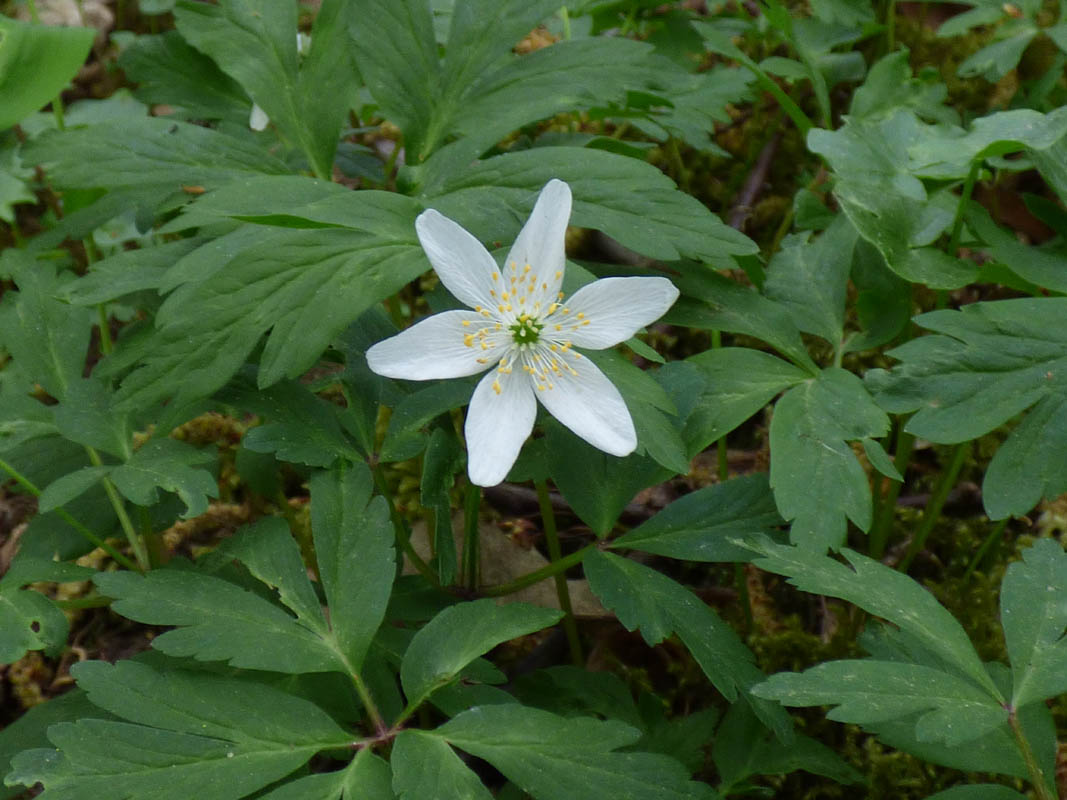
(187, 333)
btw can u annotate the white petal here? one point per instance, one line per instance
(589, 404)
(258, 119)
(460, 261)
(611, 310)
(439, 347)
(500, 417)
(541, 245)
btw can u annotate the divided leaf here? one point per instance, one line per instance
(192, 734)
(990, 362)
(458, 635)
(816, 478)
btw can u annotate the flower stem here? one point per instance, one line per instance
(990, 540)
(936, 503)
(63, 514)
(570, 626)
(471, 503)
(400, 529)
(140, 552)
(888, 505)
(1037, 775)
(530, 578)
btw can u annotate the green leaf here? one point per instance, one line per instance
(217, 620)
(744, 747)
(304, 286)
(444, 456)
(153, 152)
(168, 71)
(172, 466)
(550, 757)
(889, 85)
(729, 307)
(1033, 611)
(696, 526)
(405, 437)
(646, 599)
(271, 554)
(595, 484)
(298, 427)
(29, 621)
(990, 362)
(73, 484)
(995, 61)
(953, 710)
(885, 202)
(366, 776)
(810, 280)
(128, 271)
(885, 593)
(424, 766)
(1042, 266)
(257, 46)
(87, 416)
(627, 199)
(193, 734)
(47, 338)
(354, 548)
(458, 635)
(36, 64)
(946, 153)
(740, 381)
(816, 478)
(978, 791)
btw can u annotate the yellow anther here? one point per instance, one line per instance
(559, 275)
(482, 360)
(496, 387)
(492, 293)
(466, 323)
(478, 309)
(586, 322)
(560, 295)
(552, 308)
(559, 327)
(553, 347)
(544, 286)
(505, 295)
(468, 339)
(525, 269)
(501, 308)
(581, 315)
(484, 345)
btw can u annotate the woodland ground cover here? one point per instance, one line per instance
(316, 485)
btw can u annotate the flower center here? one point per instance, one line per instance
(526, 330)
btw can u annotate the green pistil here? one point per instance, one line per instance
(526, 331)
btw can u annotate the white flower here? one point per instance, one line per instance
(524, 331)
(258, 119)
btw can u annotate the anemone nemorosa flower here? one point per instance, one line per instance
(525, 332)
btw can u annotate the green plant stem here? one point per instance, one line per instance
(566, 17)
(137, 544)
(365, 697)
(472, 501)
(91, 601)
(555, 555)
(1037, 775)
(400, 529)
(961, 207)
(936, 502)
(530, 578)
(986, 546)
(888, 506)
(890, 25)
(80, 527)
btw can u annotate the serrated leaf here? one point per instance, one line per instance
(458, 635)
(816, 479)
(643, 598)
(886, 203)
(424, 766)
(1043, 266)
(217, 620)
(193, 734)
(889, 85)
(990, 362)
(271, 554)
(356, 559)
(73, 484)
(366, 776)
(168, 71)
(885, 593)
(172, 466)
(46, 337)
(298, 427)
(810, 280)
(87, 416)
(696, 526)
(627, 199)
(726, 306)
(1033, 611)
(153, 152)
(128, 271)
(549, 756)
(36, 64)
(954, 711)
(740, 381)
(29, 621)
